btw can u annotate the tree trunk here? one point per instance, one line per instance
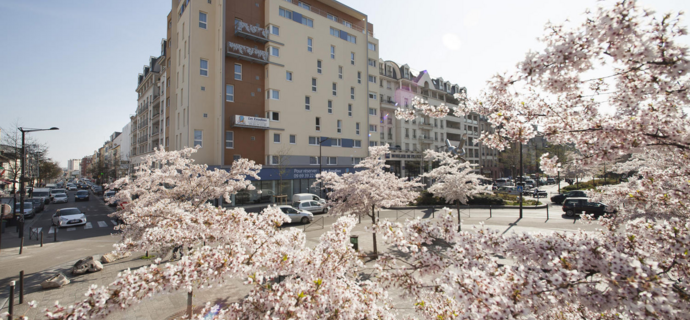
(457, 203)
(373, 222)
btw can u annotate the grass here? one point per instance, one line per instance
(147, 257)
(512, 200)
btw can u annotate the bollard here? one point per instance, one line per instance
(55, 234)
(189, 304)
(491, 213)
(41, 238)
(10, 308)
(547, 211)
(21, 287)
(21, 246)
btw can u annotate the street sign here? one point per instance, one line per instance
(519, 188)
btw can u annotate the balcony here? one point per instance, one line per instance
(425, 123)
(425, 137)
(325, 15)
(239, 51)
(155, 115)
(254, 33)
(155, 132)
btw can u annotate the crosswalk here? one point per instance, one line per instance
(88, 225)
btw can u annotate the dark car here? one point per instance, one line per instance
(558, 199)
(97, 190)
(81, 195)
(573, 206)
(39, 204)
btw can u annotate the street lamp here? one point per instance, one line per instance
(320, 165)
(21, 180)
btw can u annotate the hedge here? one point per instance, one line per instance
(427, 199)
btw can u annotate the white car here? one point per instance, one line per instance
(71, 187)
(297, 215)
(60, 198)
(66, 217)
(311, 206)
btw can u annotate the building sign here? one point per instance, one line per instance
(251, 122)
(293, 173)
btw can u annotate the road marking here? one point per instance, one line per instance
(52, 230)
(113, 221)
(102, 224)
(71, 229)
(88, 225)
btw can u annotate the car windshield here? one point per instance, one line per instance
(27, 205)
(60, 195)
(40, 194)
(69, 211)
(110, 193)
(82, 192)
(54, 191)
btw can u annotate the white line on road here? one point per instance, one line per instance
(88, 225)
(102, 224)
(113, 221)
(71, 229)
(52, 230)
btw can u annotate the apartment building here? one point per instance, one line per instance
(73, 164)
(280, 82)
(397, 87)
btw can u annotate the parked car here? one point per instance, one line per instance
(108, 195)
(97, 190)
(550, 181)
(297, 215)
(55, 191)
(66, 217)
(60, 198)
(307, 196)
(503, 182)
(311, 206)
(81, 195)
(529, 183)
(39, 204)
(42, 193)
(536, 193)
(28, 209)
(573, 206)
(559, 198)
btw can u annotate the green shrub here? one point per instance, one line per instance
(588, 185)
(427, 199)
(486, 199)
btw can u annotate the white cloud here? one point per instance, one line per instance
(452, 41)
(471, 18)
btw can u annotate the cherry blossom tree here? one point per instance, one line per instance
(368, 189)
(454, 178)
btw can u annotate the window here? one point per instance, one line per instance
(332, 52)
(358, 144)
(204, 67)
(229, 140)
(318, 124)
(372, 128)
(230, 93)
(359, 77)
(236, 157)
(285, 13)
(372, 79)
(407, 104)
(318, 66)
(349, 110)
(310, 42)
(372, 95)
(274, 116)
(314, 160)
(332, 17)
(347, 24)
(407, 133)
(307, 103)
(330, 106)
(351, 38)
(273, 160)
(340, 126)
(276, 138)
(357, 128)
(352, 93)
(372, 111)
(308, 22)
(331, 161)
(373, 143)
(352, 58)
(340, 72)
(414, 133)
(335, 88)
(288, 75)
(336, 142)
(304, 5)
(372, 46)
(274, 30)
(372, 62)
(313, 141)
(407, 146)
(198, 138)
(238, 71)
(313, 84)
(275, 51)
(272, 94)
(293, 139)
(335, 32)
(202, 20)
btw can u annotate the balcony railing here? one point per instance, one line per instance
(425, 137)
(325, 15)
(239, 51)
(247, 31)
(156, 115)
(155, 132)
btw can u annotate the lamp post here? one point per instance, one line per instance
(320, 165)
(21, 181)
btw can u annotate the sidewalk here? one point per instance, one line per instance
(168, 306)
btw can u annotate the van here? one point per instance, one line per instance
(42, 193)
(307, 196)
(51, 186)
(502, 182)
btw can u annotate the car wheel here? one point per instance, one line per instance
(325, 210)
(569, 213)
(305, 220)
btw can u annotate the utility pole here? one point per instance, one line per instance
(522, 182)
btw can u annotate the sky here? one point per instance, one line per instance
(73, 64)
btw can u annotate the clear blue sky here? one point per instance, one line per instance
(73, 64)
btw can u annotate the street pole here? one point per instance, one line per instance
(20, 217)
(521, 173)
(320, 166)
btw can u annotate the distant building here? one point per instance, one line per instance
(73, 164)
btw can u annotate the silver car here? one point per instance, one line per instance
(60, 198)
(297, 215)
(29, 211)
(311, 206)
(66, 217)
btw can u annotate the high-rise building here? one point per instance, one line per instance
(73, 164)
